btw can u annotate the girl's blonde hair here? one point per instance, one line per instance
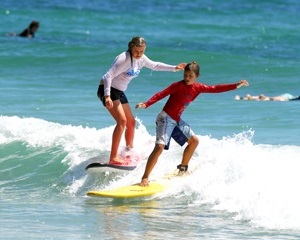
(137, 42)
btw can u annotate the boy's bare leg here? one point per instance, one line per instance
(152, 160)
(189, 150)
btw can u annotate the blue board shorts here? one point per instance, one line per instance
(167, 128)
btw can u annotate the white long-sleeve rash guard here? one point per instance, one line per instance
(122, 71)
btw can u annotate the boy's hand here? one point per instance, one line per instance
(144, 182)
(140, 105)
(242, 83)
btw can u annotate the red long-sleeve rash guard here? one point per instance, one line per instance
(181, 95)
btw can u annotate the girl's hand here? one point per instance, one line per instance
(108, 102)
(140, 105)
(180, 66)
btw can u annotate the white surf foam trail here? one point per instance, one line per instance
(79, 143)
(257, 183)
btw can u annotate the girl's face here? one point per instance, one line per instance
(189, 77)
(138, 52)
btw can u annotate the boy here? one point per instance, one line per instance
(182, 93)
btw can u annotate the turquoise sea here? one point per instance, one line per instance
(245, 183)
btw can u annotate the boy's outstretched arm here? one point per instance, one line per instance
(155, 98)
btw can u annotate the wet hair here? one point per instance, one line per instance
(193, 66)
(136, 42)
(34, 24)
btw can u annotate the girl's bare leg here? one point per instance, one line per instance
(118, 114)
(130, 125)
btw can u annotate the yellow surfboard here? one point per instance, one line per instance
(131, 191)
(135, 190)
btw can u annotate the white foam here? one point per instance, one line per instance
(257, 183)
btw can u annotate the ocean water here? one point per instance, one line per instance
(245, 182)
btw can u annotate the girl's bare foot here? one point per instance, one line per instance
(118, 160)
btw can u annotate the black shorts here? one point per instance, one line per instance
(115, 94)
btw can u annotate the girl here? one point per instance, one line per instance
(113, 85)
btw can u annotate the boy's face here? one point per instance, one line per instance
(190, 77)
